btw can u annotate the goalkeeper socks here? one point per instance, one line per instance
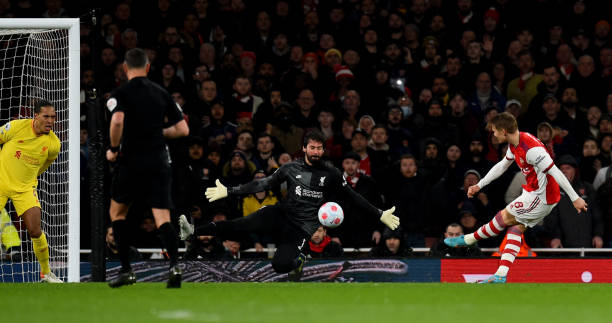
(512, 248)
(41, 250)
(491, 229)
(170, 241)
(120, 228)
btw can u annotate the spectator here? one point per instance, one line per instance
(591, 161)
(400, 138)
(440, 249)
(219, 130)
(358, 229)
(432, 161)
(264, 156)
(238, 170)
(321, 245)
(306, 114)
(587, 83)
(359, 145)
(282, 128)
(243, 103)
(392, 245)
(569, 229)
(524, 87)
(476, 155)
(485, 97)
(566, 61)
(265, 111)
(244, 143)
(254, 202)
(199, 112)
(551, 83)
(380, 153)
(462, 120)
(406, 189)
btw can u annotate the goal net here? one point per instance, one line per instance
(37, 61)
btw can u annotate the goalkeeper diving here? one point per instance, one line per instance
(310, 183)
(29, 147)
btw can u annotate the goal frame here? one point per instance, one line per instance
(73, 27)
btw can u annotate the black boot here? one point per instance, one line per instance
(124, 278)
(174, 277)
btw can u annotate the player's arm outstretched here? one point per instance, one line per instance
(540, 159)
(496, 171)
(386, 216)
(221, 191)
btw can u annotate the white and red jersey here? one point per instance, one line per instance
(534, 161)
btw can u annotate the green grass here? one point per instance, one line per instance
(306, 302)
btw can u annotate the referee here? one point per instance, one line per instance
(143, 114)
(310, 183)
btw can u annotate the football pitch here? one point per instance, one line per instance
(306, 302)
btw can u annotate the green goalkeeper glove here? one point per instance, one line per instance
(389, 219)
(216, 193)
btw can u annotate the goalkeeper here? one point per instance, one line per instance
(310, 183)
(29, 148)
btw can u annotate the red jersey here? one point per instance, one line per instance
(534, 161)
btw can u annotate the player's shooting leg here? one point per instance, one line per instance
(168, 233)
(118, 212)
(499, 223)
(31, 218)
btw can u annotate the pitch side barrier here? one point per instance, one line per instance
(524, 270)
(541, 269)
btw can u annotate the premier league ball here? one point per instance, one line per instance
(331, 214)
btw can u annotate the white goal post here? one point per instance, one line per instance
(48, 68)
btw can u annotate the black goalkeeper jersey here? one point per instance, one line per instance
(308, 187)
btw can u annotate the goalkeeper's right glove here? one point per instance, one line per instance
(216, 193)
(389, 219)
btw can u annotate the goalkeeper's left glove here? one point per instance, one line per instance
(389, 219)
(216, 193)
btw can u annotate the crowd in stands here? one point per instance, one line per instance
(401, 89)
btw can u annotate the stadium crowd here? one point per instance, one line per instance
(401, 89)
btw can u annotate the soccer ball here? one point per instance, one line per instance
(331, 214)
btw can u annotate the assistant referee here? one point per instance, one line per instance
(143, 115)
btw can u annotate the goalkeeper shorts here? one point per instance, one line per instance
(22, 201)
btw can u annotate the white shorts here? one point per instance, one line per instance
(529, 209)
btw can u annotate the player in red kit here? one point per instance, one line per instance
(539, 197)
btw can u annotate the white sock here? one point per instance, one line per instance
(469, 239)
(502, 271)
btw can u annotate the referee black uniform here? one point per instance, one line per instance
(143, 167)
(294, 219)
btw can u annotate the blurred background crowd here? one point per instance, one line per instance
(401, 89)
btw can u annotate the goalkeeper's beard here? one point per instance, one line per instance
(314, 160)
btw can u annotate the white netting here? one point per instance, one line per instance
(33, 66)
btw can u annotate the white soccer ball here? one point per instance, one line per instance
(331, 214)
